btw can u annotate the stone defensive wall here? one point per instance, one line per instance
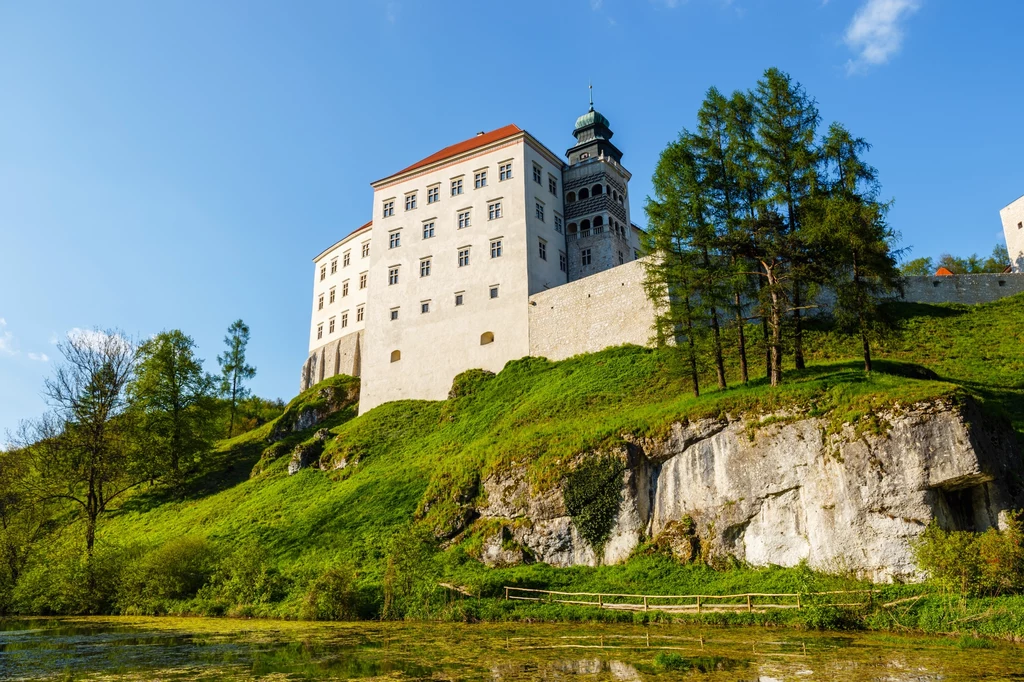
(340, 356)
(963, 288)
(606, 309)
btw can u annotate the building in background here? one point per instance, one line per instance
(1013, 229)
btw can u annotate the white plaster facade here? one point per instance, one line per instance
(1013, 229)
(428, 314)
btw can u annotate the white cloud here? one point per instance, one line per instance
(39, 357)
(392, 12)
(6, 339)
(876, 31)
(596, 4)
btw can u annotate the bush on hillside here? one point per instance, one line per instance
(592, 494)
(332, 596)
(67, 582)
(176, 570)
(974, 564)
(244, 579)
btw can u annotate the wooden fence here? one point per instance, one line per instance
(750, 602)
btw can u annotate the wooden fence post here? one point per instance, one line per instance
(698, 603)
(506, 594)
(749, 607)
(600, 601)
(798, 600)
(645, 603)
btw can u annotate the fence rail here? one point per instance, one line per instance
(749, 602)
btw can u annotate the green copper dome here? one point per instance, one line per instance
(590, 118)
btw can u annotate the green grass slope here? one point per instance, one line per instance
(422, 462)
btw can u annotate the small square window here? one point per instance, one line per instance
(425, 267)
(389, 208)
(479, 179)
(428, 230)
(552, 185)
(463, 257)
(323, 272)
(424, 307)
(366, 249)
(539, 211)
(536, 174)
(558, 224)
(362, 281)
(346, 259)
(505, 171)
(392, 276)
(410, 201)
(494, 292)
(543, 250)
(331, 300)
(330, 326)
(464, 219)
(344, 320)
(344, 288)
(359, 314)
(433, 195)
(456, 187)
(496, 248)
(320, 331)
(458, 299)
(494, 210)
(1020, 226)
(585, 257)
(334, 266)
(562, 261)
(394, 314)
(320, 302)
(394, 240)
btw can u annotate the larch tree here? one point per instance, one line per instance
(234, 370)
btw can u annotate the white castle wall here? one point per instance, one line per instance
(1013, 229)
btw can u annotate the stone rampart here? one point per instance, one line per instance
(340, 356)
(982, 288)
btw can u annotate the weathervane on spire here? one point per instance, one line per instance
(591, 95)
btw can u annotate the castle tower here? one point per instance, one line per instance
(599, 234)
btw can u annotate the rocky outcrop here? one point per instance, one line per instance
(785, 489)
(308, 454)
(326, 401)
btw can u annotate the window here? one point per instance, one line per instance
(463, 257)
(458, 299)
(570, 197)
(428, 230)
(494, 292)
(366, 249)
(621, 259)
(396, 355)
(536, 173)
(552, 185)
(344, 319)
(558, 224)
(320, 331)
(433, 195)
(362, 280)
(584, 156)
(561, 261)
(494, 210)
(479, 179)
(344, 288)
(424, 307)
(463, 219)
(543, 249)
(330, 326)
(636, 254)
(331, 300)
(410, 201)
(320, 302)
(359, 314)
(505, 171)
(456, 187)
(389, 208)
(392, 276)
(585, 257)
(486, 338)
(1020, 226)
(496, 248)
(596, 191)
(346, 259)
(539, 211)
(323, 272)
(584, 194)
(394, 314)
(394, 240)
(334, 265)
(425, 267)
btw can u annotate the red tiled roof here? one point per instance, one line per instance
(472, 143)
(943, 272)
(358, 229)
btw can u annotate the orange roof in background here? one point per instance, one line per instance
(472, 143)
(943, 272)
(358, 229)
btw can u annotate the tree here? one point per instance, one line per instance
(176, 402)
(235, 372)
(918, 267)
(856, 243)
(85, 451)
(787, 122)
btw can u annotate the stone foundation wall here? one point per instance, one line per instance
(341, 356)
(963, 288)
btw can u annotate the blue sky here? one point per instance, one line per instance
(177, 164)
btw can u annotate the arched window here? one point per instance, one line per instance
(584, 194)
(596, 190)
(615, 195)
(598, 221)
(396, 355)
(486, 338)
(585, 226)
(572, 228)
(570, 197)
(621, 199)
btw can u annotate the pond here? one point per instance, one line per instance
(225, 649)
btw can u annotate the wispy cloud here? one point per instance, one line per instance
(6, 339)
(392, 12)
(39, 357)
(876, 32)
(596, 4)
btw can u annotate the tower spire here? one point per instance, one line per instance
(591, 95)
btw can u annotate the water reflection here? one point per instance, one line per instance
(215, 649)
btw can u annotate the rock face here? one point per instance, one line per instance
(789, 491)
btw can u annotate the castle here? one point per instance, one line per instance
(486, 251)
(1012, 217)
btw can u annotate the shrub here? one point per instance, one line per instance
(974, 564)
(592, 494)
(332, 596)
(178, 569)
(410, 574)
(66, 581)
(245, 578)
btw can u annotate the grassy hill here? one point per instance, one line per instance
(275, 544)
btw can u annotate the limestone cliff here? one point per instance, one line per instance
(784, 489)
